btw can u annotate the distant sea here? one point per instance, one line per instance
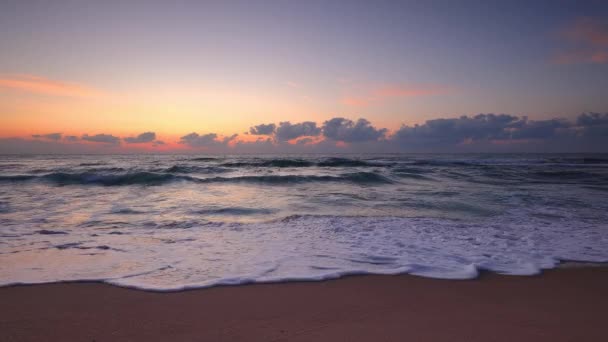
(169, 222)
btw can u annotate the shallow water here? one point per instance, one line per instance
(172, 222)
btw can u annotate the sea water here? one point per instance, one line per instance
(169, 222)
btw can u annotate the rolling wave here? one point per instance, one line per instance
(328, 162)
(195, 169)
(152, 178)
(272, 163)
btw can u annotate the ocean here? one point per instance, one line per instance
(171, 222)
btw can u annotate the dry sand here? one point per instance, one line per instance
(561, 305)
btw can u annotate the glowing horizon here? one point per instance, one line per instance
(213, 68)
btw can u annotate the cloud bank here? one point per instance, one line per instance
(209, 140)
(587, 132)
(287, 131)
(262, 129)
(348, 131)
(101, 138)
(144, 138)
(49, 136)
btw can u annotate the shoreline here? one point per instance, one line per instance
(564, 264)
(561, 304)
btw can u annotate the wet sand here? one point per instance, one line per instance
(560, 305)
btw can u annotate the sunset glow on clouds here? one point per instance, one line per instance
(45, 86)
(483, 132)
(295, 76)
(588, 40)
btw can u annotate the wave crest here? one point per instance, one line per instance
(152, 178)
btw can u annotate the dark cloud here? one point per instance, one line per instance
(541, 129)
(587, 132)
(593, 125)
(484, 129)
(101, 138)
(50, 136)
(142, 138)
(71, 138)
(304, 141)
(458, 130)
(592, 119)
(263, 129)
(206, 140)
(346, 130)
(288, 131)
(196, 140)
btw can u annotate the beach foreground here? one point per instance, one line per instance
(560, 305)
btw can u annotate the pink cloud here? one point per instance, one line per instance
(589, 31)
(45, 86)
(384, 93)
(588, 41)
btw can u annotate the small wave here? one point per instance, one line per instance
(272, 163)
(125, 211)
(280, 163)
(152, 179)
(566, 174)
(345, 162)
(402, 174)
(195, 169)
(63, 178)
(50, 232)
(579, 160)
(92, 164)
(17, 178)
(79, 245)
(234, 211)
(355, 177)
(444, 163)
(202, 159)
(595, 160)
(144, 178)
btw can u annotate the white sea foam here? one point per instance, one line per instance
(174, 222)
(300, 248)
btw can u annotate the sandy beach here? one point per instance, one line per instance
(560, 305)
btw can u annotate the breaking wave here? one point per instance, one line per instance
(153, 178)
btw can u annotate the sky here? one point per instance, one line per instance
(303, 76)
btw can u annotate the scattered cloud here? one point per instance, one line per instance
(587, 40)
(594, 125)
(345, 130)
(387, 92)
(582, 133)
(143, 138)
(305, 141)
(209, 140)
(49, 136)
(587, 132)
(456, 130)
(45, 86)
(101, 138)
(287, 131)
(263, 129)
(71, 138)
(588, 30)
